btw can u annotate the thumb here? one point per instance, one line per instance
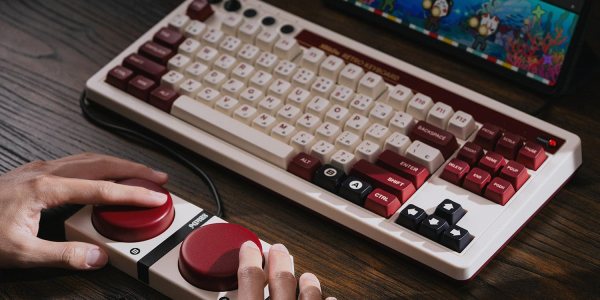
(67, 255)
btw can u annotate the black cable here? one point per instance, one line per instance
(176, 155)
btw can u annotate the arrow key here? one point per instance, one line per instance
(456, 238)
(450, 211)
(411, 216)
(433, 227)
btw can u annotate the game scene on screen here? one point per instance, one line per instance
(528, 36)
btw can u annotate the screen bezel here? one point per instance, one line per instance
(562, 82)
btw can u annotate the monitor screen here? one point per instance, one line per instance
(530, 37)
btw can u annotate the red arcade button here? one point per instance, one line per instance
(131, 223)
(209, 256)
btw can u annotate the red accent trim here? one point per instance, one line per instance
(492, 58)
(393, 75)
(378, 12)
(433, 35)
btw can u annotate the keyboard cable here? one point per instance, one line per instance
(126, 132)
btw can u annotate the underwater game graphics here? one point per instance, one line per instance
(530, 37)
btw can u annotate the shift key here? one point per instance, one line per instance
(434, 137)
(383, 179)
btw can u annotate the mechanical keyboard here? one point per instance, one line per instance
(424, 166)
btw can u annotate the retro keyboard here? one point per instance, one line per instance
(422, 165)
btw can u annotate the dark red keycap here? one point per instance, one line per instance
(383, 179)
(470, 153)
(156, 52)
(488, 135)
(434, 137)
(140, 87)
(532, 155)
(515, 173)
(134, 224)
(119, 77)
(382, 203)
(304, 166)
(476, 180)
(492, 162)
(169, 38)
(509, 144)
(455, 171)
(145, 66)
(404, 167)
(209, 256)
(199, 10)
(499, 191)
(162, 98)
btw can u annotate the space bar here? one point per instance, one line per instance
(232, 131)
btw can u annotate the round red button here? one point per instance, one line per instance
(209, 256)
(134, 224)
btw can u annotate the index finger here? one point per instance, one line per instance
(251, 277)
(99, 166)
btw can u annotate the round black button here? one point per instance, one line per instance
(287, 28)
(268, 21)
(214, 1)
(232, 5)
(250, 13)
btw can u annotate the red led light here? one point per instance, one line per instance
(552, 143)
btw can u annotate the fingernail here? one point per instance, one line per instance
(280, 248)
(158, 197)
(96, 258)
(331, 298)
(160, 174)
(250, 244)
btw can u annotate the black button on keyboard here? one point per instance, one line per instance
(232, 5)
(456, 238)
(355, 190)
(287, 29)
(450, 211)
(433, 227)
(411, 216)
(250, 13)
(329, 178)
(268, 21)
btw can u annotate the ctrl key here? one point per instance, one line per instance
(411, 216)
(119, 76)
(456, 238)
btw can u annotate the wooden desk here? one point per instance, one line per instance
(49, 48)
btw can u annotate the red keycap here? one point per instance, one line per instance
(476, 180)
(145, 66)
(515, 173)
(169, 38)
(156, 52)
(199, 10)
(304, 166)
(499, 191)
(434, 137)
(470, 153)
(455, 171)
(383, 179)
(492, 162)
(382, 203)
(119, 77)
(532, 155)
(163, 97)
(404, 167)
(140, 87)
(488, 135)
(509, 144)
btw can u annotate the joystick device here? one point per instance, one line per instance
(177, 248)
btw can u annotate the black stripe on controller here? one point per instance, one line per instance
(144, 264)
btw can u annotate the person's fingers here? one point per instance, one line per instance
(99, 166)
(310, 287)
(331, 298)
(251, 277)
(68, 255)
(282, 283)
(54, 191)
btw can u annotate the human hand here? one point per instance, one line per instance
(78, 179)
(282, 283)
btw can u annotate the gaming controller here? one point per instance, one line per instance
(177, 248)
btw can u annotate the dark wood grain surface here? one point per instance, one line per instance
(49, 48)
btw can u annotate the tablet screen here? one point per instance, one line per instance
(530, 37)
